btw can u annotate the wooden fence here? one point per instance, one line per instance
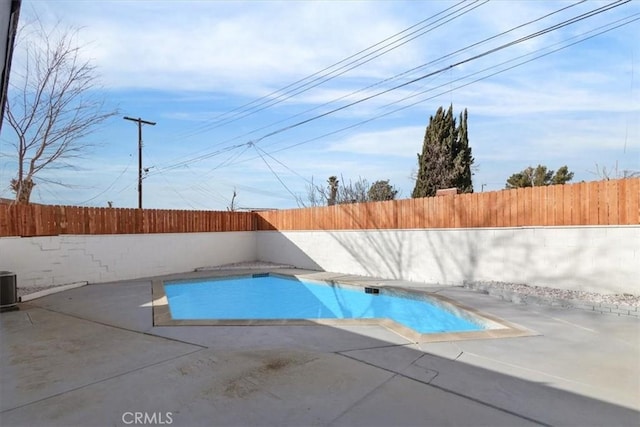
(593, 203)
(45, 220)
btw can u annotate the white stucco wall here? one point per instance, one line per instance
(56, 260)
(599, 259)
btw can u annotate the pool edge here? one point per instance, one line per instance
(499, 328)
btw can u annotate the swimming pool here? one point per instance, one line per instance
(173, 304)
(277, 297)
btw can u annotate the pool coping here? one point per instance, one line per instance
(496, 327)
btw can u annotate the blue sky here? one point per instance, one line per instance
(185, 64)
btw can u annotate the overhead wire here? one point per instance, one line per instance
(258, 150)
(323, 75)
(205, 156)
(430, 74)
(339, 72)
(609, 27)
(109, 187)
(488, 52)
(204, 191)
(441, 70)
(395, 77)
(269, 99)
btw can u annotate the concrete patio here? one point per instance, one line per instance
(92, 356)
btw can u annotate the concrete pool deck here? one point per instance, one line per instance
(92, 356)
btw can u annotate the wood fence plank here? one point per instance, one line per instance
(436, 207)
(535, 206)
(594, 203)
(612, 201)
(516, 200)
(558, 192)
(568, 203)
(476, 209)
(4, 221)
(511, 206)
(455, 219)
(603, 207)
(492, 216)
(592, 212)
(622, 201)
(499, 208)
(633, 201)
(524, 206)
(582, 207)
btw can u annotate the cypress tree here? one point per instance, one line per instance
(445, 161)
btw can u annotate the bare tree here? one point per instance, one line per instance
(604, 174)
(349, 192)
(316, 196)
(353, 192)
(52, 104)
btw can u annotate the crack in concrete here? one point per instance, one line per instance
(101, 380)
(122, 328)
(439, 387)
(362, 399)
(375, 347)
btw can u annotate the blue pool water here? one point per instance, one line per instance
(274, 297)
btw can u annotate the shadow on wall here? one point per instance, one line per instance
(597, 259)
(560, 257)
(378, 252)
(280, 249)
(578, 258)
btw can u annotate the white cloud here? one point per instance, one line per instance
(190, 61)
(401, 142)
(228, 46)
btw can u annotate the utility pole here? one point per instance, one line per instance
(140, 122)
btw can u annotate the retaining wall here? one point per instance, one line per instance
(604, 259)
(595, 258)
(64, 259)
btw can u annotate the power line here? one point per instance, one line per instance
(609, 27)
(385, 80)
(109, 187)
(200, 186)
(441, 70)
(324, 75)
(340, 71)
(504, 46)
(488, 52)
(296, 85)
(258, 150)
(197, 159)
(395, 77)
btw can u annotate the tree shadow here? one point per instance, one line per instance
(494, 243)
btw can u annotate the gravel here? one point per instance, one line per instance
(553, 294)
